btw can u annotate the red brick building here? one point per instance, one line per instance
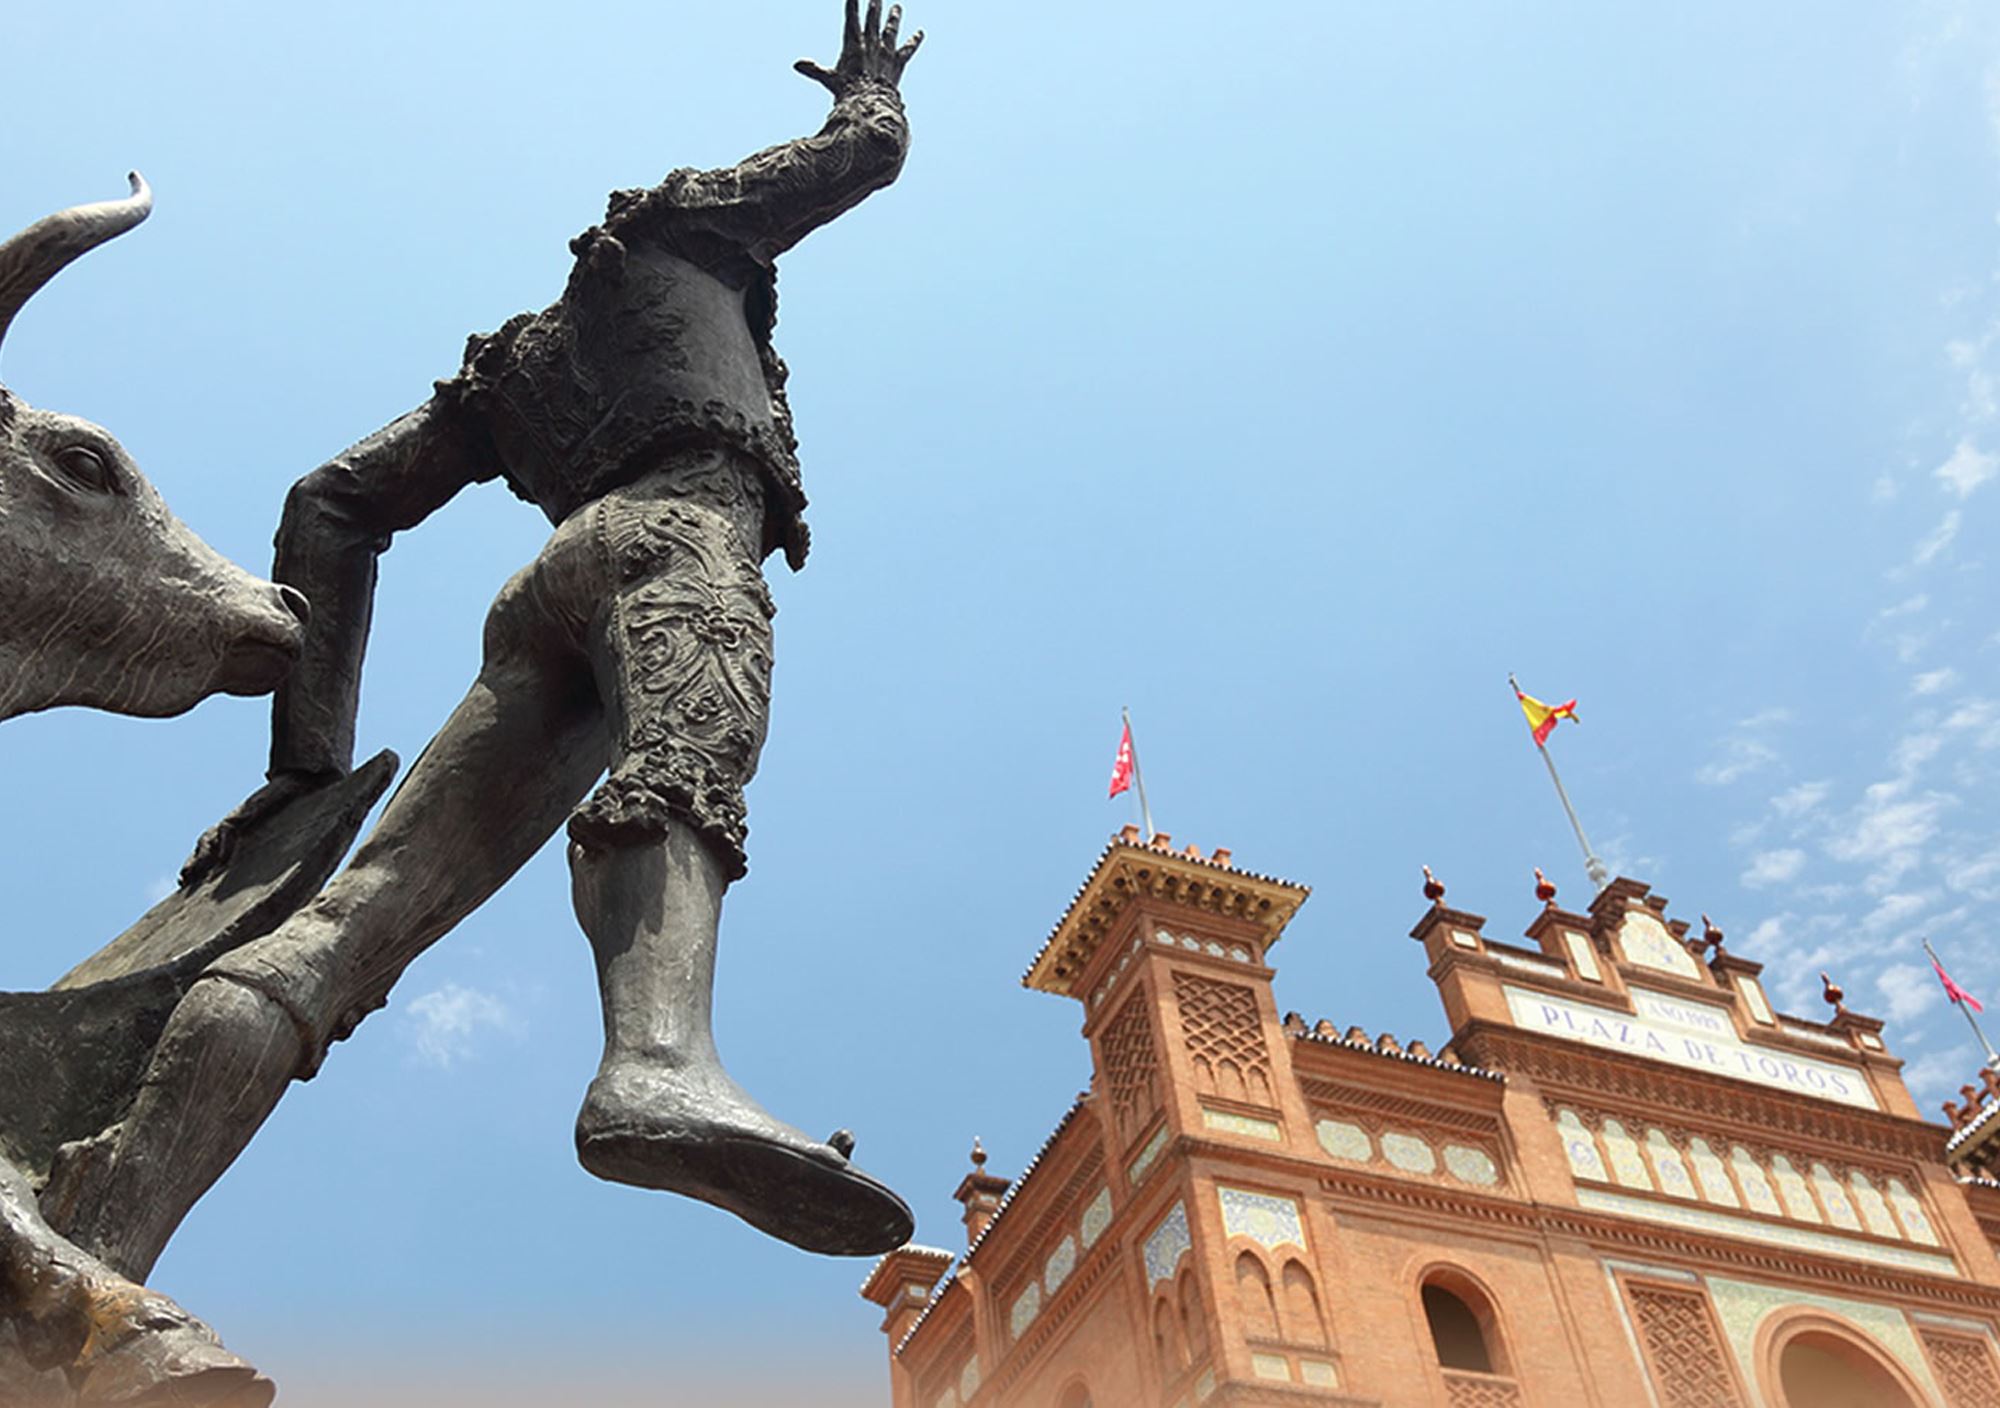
(1627, 1180)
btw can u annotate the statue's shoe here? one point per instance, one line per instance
(734, 1156)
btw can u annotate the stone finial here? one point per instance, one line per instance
(1449, 1057)
(1545, 889)
(1387, 1043)
(1130, 835)
(1419, 1050)
(1711, 937)
(1325, 1027)
(1358, 1035)
(1834, 997)
(1433, 887)
(1223, 855)
(980, 1192)
(1295, 1025)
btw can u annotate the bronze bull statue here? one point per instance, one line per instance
(108, 601)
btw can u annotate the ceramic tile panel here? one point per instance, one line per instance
(1408, 1153)
(1269, 1221)
(1248, 1126)
(1709, 1172)
(1754, 1182)
(1583, 954)
(1799, 1202)
(1874, 1211)
(1166, 1245)
(1808, 1239)
(1204, 1387)
(1027, 1306)
(1839, 1210)
(1668, 1165)
(1581, 1148)
(1345, 1141)
(1916, 1226)
(1144, 1163)
(1470, 1165)
(1626, 1162)
(1318, 1373)
(968, 1379)
(1097, 1217)
(1271, 1366)
(1061, 1262)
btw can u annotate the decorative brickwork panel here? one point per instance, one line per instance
(1965, 1369)
(1225, 1038)
(1469, 1390)
(1689, 1370)
(1131, 1066)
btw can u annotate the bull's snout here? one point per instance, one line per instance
(263, 651)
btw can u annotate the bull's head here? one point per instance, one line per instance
(107, 599)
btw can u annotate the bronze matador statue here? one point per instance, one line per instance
(645, 413)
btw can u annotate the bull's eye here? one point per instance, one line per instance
(87, 469)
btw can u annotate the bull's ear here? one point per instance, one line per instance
(38, 253)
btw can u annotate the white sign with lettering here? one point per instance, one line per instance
(1690, 1034)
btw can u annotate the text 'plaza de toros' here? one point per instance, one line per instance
(1626, 1181)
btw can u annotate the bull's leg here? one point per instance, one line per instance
(683, 662)
(496, 782)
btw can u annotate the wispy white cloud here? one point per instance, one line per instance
(1969, 467)
(1886, 833)
(1934, 543)
(1802, 800)
(1741, 757)
(446, 1023)
(1744, 750)
(1774, 867)
(1894, 911)
(1907, 991)
(1934, 681)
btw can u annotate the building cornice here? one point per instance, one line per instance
(1130, 870)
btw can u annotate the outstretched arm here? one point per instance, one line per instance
(338, 520)
(767, 203)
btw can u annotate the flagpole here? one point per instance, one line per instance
(1992, 1056)
(1139, 777)
(1593, 867)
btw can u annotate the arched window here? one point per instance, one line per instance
(1167, 1339)
(1253, 1294)
(1075, 1396)
(1194, 1325)
(1303, 1324)
(1458, 1329)
(1820, 1370)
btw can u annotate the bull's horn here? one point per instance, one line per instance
(34, 256)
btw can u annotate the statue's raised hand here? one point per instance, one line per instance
(868, 53)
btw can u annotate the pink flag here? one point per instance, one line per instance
(1121, 770)
(1954, 991)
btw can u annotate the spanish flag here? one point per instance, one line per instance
(1542, 717)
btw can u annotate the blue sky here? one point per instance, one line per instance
(1290, 375)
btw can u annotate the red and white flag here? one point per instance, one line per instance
(1121, 770)
(1954, 991)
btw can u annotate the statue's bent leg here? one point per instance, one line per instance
(683, 655)
(491, 788)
